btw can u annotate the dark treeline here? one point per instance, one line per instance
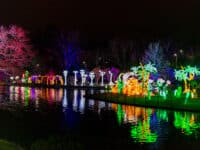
(58, 50)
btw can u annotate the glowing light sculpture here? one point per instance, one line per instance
(187, 75)
(75, 77)
(178, 92)
(26, 75)
(120, 84)
(160, 84)
(145, 74)
(65, 72)
(137, 82)
(83, 77)
(150, 82)
(92, 76)
(135, 70)
(111, 76)
(102, 73)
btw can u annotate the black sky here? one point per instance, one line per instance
(109, 16)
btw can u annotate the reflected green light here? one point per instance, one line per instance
(120, 114)
(142, 132)
(162, 115)
(26, 96)
(185, 122)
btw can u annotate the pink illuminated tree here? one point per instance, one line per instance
(15, 49)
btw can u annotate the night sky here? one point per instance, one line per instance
(141, 17)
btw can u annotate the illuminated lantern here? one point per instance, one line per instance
(65, 76)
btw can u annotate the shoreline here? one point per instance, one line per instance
(57, 86)
(173, 103)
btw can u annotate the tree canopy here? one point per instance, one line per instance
(15, 49)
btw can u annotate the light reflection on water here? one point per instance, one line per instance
(26, 94)
(146, 125)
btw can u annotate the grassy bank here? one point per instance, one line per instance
(155, 102)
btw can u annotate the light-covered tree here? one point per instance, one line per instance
(15, 49)
(155, 55)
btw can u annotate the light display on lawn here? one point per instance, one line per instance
(140, 82)
(187, 74)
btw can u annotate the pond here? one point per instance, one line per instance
(47, 118)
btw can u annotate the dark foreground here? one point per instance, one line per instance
(46, 130)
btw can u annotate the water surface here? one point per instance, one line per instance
(64, 119)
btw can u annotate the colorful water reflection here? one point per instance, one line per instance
(187, 122)
(141, 120)
(26, 94)
(145, 124)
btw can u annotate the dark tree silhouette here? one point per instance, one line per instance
(123, 53)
